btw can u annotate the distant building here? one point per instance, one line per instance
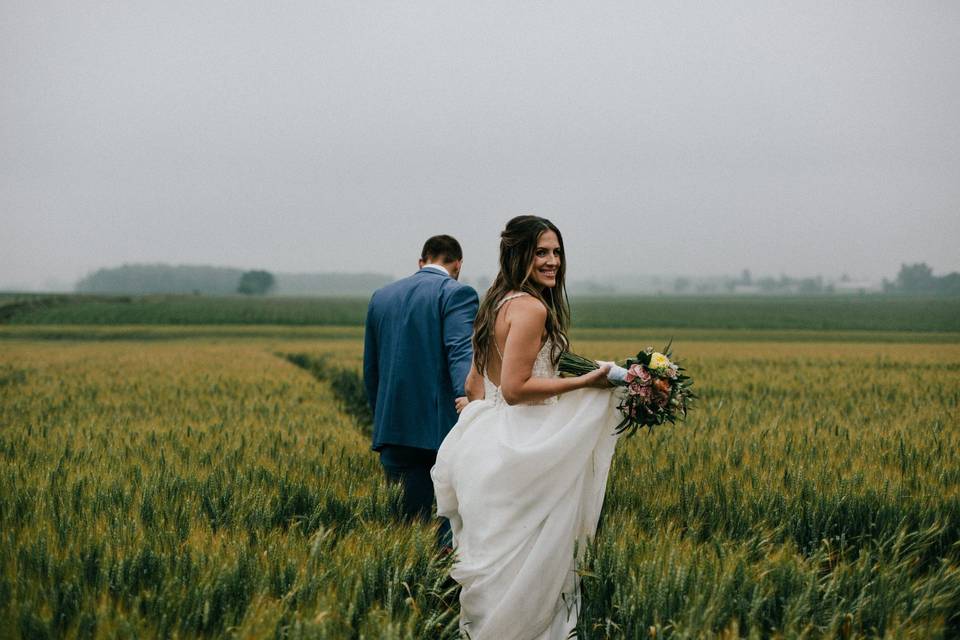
(746, 289)
(857, 286)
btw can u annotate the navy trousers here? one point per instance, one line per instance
(410, 467)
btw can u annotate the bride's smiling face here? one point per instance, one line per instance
(547, 258)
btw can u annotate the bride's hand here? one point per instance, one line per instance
(597, 378)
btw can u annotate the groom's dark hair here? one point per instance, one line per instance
(444, 248)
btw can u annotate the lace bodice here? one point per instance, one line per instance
(542, 366)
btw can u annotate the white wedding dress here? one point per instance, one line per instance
(522, 486)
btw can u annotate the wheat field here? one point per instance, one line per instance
(203, 485)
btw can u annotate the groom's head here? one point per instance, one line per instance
(444, 251)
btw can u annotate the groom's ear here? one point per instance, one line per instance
(421, 262)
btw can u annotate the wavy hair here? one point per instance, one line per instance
(518, 245)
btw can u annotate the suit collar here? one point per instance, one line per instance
(433, 272)
(436, 267)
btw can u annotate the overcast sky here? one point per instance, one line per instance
(808, 137)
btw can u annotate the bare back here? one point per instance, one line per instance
(501, 332)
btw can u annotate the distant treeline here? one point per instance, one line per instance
(146, 279)
(913, 279)
(150, 279)
(919, 279)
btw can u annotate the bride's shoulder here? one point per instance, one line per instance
(528, 306)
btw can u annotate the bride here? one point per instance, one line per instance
(522, 475)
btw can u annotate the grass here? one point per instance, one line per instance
(208, 487)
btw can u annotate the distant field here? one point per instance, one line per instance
(822, 313)
(634, 335)
(187, 310)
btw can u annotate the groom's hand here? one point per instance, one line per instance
(460, 403)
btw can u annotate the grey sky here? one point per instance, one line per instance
(674, 138)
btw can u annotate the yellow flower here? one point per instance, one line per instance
(659, 361)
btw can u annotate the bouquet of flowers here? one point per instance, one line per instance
(657, 389)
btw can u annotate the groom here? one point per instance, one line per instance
(416, 357)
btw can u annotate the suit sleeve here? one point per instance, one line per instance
(458, 316)
(371, 371)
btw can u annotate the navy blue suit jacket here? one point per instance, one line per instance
(416, 357)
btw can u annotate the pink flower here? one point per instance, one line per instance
(638, 372)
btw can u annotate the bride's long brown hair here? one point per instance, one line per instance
(518, 244)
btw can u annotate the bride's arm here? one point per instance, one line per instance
(474, 385)
(526, 319)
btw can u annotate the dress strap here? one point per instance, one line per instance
(496, 309)
(510, 297)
